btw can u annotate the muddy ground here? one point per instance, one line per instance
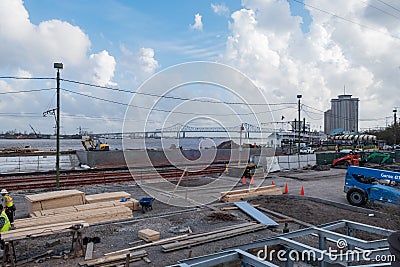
(118, 235)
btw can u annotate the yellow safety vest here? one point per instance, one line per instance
(9, 202)
(7, 224)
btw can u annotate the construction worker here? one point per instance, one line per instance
(8, 204)
(4, 224)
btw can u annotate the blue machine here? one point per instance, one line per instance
(363, 184)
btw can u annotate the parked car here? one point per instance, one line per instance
(306, 150)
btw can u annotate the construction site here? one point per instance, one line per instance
(117, 223)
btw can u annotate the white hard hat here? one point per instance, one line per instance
(3, 191)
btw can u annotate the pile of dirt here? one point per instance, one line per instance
(317, 213)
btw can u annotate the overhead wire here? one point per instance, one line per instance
(346, 19)
(174, 97)
(381, 10)
(26, 91)
(388, 5)
(163, 110)
(27, 78)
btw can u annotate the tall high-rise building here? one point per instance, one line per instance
(342, 115)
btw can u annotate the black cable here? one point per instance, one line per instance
(345, 19)
(173, 97)
(162, 110)
(26, 91)
(26, 78)
(383, 11)
(389, 5)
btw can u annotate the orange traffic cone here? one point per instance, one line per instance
(272, 182)
(286, 189)
(244, 180)
(302, 191)
(252, 180)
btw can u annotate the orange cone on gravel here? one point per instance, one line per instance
(252, 180)
(244, 180)
(286, 189)
(302, 191)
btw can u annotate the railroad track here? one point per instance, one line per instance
(99, 177)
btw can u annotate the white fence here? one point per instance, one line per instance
(37, 163)
(288, 162)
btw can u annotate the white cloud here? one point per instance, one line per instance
(198, 24)
(103, 66)
(147, 61)
(29, 50)
(220, 9)
(267, 44)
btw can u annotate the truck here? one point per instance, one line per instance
(363, 184)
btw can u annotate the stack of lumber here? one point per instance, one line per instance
(95, 198)
(41, 230)
(130, 203)
(90, 216)
(236, 195)
(222, 233)
(149, 235)
(56, 199)
(115, 260)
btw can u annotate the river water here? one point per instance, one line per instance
(150, 143)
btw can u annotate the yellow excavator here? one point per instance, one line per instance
(90, 145)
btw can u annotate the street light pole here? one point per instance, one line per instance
(58, 66)
(395, 126)
(299, 128)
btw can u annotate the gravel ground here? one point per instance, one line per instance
(116, 236)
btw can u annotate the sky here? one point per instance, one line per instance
(110, 48)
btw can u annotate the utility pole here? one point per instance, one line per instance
(395, 126)
(240, 143)
(299, 120)
(58, 66)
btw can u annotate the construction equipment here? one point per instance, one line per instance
(90, 145)
(352, 159)
(363, 184)
(381, 157)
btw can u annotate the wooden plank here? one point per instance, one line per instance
(210, 238)
(91, 216)
(236, 208)
(261, 188)
(237, 197)
(106, 197)
(186, 236)
(100, 205)
(41, 230)
(54, 199)
(159, 242)
(53, 195)
(89, 251)
(114, 259)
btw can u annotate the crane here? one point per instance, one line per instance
(33, 130)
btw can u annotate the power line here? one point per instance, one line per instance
(379, 9)
(389, 5)
(26, 78)
(162, 110)
(174, 97)
(345, 19)
(26, 91)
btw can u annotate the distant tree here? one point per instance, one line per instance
(387, 135)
